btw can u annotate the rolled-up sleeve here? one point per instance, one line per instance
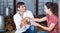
(17, 22)
(30, 15)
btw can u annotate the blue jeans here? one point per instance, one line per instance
(31, 29)
(43, 32)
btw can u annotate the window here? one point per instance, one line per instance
(4, 4)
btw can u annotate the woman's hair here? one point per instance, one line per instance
(53, 7)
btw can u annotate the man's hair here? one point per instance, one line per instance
(19, 4)
(53, 7)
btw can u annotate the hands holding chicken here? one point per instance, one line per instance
(25, 21)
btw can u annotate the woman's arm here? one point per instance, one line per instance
(52, 25)
(39, 19)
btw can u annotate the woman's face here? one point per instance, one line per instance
(46, 9)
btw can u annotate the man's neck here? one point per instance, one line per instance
(21, 13)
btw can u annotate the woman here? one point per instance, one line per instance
(51, 18)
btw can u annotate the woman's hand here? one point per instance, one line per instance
(37, 24)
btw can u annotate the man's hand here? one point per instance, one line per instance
(24, 20)
(21, 25)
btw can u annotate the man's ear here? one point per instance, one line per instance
(18, 8)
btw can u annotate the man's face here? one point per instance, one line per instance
(21, 8)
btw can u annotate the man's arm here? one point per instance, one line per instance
(24, 21)
(17, 22)
(21, 25)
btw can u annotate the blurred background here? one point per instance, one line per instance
(8, 9)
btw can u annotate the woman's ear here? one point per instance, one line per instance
(49, 9)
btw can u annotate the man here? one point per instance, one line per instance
(23, 27)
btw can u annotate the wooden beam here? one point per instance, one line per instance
(36, 7)
(14, 6)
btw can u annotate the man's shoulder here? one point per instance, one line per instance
(28, 11)
(16, 14)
